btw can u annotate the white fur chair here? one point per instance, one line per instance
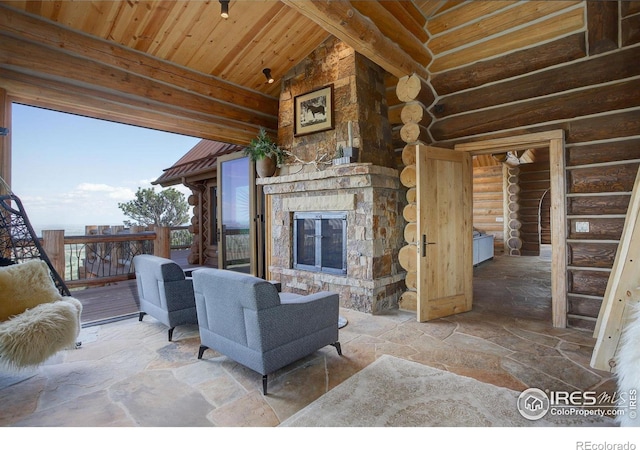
(36, 321)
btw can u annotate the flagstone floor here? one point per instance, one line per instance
(126, 374)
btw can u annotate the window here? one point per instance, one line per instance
(320, 242)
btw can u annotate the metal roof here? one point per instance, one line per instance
(200, 159)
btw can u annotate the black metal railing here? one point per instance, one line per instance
(105, 254)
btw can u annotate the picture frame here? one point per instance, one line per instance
(313, 111)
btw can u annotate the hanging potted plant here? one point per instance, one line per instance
(265, 153)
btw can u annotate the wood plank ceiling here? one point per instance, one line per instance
(257, 34)
(179, 60)
(229, 54)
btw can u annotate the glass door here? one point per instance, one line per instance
(237, 238)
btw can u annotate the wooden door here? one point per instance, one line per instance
(445, 227)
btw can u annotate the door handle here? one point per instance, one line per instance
(424, 245)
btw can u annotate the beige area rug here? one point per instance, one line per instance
(394, 392)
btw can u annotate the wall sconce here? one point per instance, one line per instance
(224, 9)
(267, 75)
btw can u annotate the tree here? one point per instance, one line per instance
(167, 208)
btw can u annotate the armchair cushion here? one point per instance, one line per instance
(164, 291)
(246, 319)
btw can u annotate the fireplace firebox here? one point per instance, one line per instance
(320, 242)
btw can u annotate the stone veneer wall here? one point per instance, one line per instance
(372, 199)
(359, 96)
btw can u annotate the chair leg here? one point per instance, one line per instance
(264, 384)
(171, 333)
(201, 351)
(142, 314)
(337, 346)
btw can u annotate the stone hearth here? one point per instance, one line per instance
(372, 200)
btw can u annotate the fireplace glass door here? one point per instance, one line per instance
(320, 242)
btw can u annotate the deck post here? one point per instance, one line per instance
(162, 242)
(53, 245)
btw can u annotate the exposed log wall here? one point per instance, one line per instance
(408, 255)
(534, 213)
(488, 199)
(512, 237)
(577, 69)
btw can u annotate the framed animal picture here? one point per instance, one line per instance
(313, 111)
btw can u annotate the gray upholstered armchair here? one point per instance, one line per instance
(164, 291)
(245, 318)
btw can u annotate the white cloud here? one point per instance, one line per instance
(84, 204)
(92, 187)
(114, 192)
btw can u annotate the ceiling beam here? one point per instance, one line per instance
(394, 29)
(116, 107)
(346, 23)
(30, 28)
(54, 64)
(49, 52)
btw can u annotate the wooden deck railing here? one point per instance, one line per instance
(98, 259)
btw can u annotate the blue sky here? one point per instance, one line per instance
(72, 170)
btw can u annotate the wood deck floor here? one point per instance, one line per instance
(106, 303)
(117, 300)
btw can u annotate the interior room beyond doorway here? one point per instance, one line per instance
(511, 203)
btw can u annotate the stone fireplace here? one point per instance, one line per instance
(370, 200)
(350, 219)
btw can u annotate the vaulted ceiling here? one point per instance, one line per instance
(179, 66)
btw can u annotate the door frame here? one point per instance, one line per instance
(254, 265)
(555, 141)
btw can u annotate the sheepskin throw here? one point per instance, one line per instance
(628, 364)
(30, 338)
(35, 320)
(24, 286)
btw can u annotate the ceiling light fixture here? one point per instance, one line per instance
(267, 74)
(224, 9)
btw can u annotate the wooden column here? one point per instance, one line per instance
(408, 255)
(417, 96)
(162, 244)
(196, 251)
(513, 241)
(53, 245)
